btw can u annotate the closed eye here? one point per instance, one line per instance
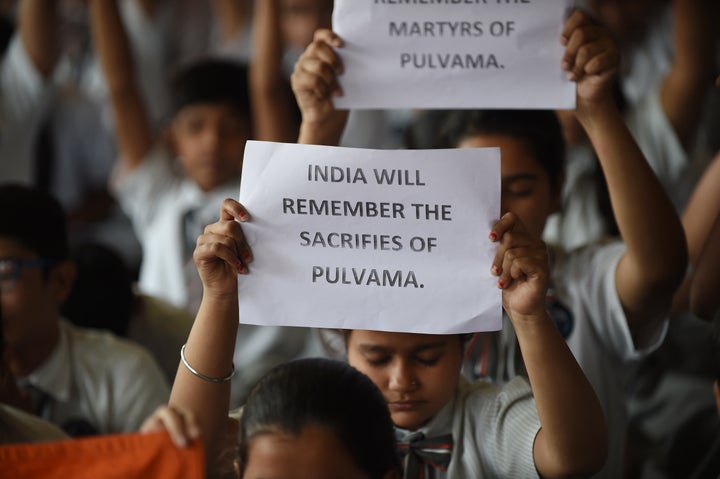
(428, 361)
(377, 360)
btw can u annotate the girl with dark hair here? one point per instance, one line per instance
(310, 418)
(615, 297)
(317, 410)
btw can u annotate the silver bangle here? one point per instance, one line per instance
(201, 375)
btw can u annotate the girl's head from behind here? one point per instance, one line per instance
(532, 150)
(317, 418)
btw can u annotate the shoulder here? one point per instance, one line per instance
(17, 426)
(593, 260)
(491, 399)
(102, 349)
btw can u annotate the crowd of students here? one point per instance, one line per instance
(119, 301)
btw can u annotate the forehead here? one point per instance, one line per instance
(316, 453)
(516, 157)
(398, 341)
(196, 111)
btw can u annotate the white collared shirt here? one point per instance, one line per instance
(493, 430)
(94, 376)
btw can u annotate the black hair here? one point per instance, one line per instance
(539, 130)
(211, 81)
(34, 219)
(327, 393)
(7, 28)
(422, 133)
(102, 295)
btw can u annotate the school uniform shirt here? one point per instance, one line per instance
(169, 212)
(97, 383)
(580, 221)
(24, 96)
(493, 430)
(17, 427)
(586, 308)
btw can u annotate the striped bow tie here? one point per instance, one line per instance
(424, 456)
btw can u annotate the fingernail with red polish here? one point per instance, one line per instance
(500, 284)
(492, 237)
(495, 271)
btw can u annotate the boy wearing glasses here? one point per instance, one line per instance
(87, 382)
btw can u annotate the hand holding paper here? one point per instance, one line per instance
(315, 84)
(521, 264)
(499, 54)
(222, 252)
(591, 59)
(388, 240)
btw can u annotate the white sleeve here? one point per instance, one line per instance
(591, 273)
(658, 140)
(24, 91)
(140, 388)
(508, 429)
(140, 190)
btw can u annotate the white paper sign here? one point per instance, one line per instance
(452, 54)
(371, 239)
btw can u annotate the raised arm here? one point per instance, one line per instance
(273, 102)
(232, 17)
(314, 83)
(701, 221)
(656, 256)
(685, 86)
(38, 25)
(220, 255)
(132, 123)
(573, 439)
(704, 298)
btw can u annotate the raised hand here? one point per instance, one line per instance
(591, 59)
(314, 82)
(521, 265)
(222, 252)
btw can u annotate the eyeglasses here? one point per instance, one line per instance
(11, 268)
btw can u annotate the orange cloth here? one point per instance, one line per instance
(124, 456)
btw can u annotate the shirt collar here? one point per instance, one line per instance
(54, 375)
(440, 424)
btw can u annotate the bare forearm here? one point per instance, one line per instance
(573, 438)
(704, 292)
(38, 26)
(656, 255)
(209, 350)
(323, 134)
(273, 101)
(702, 208)
(231, 16)
(686, 84)
(133, 130)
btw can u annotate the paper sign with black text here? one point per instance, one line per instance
(391, 240)
(452, 54)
